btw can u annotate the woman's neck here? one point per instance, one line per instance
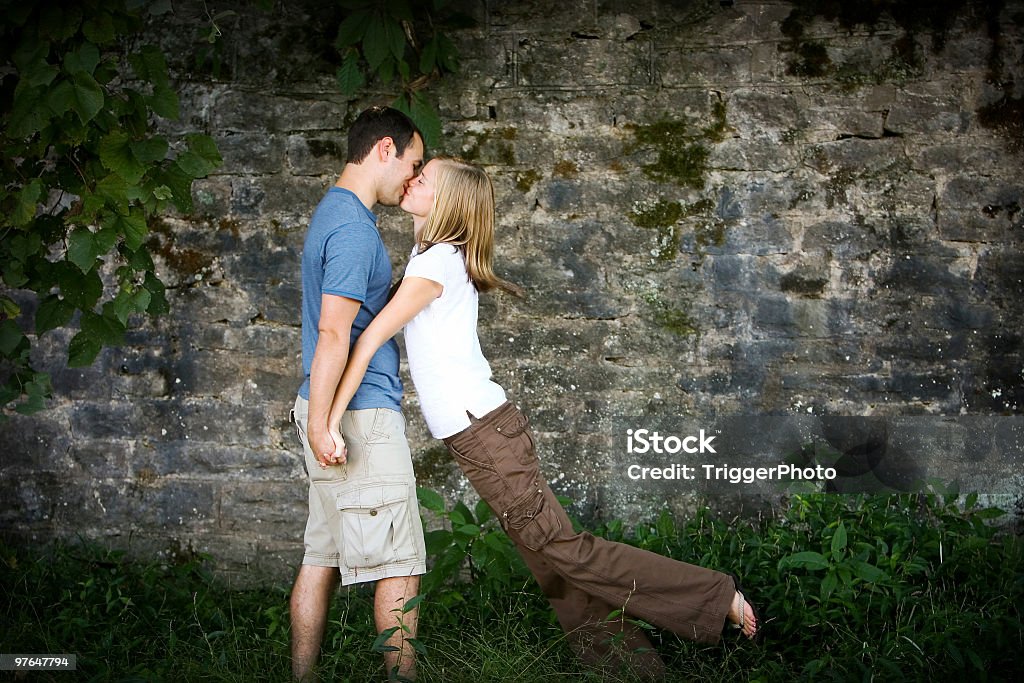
(417, 227)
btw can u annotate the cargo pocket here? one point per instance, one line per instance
(514, 427)
(532, 520)
(375, 525)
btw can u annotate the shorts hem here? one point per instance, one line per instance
(351, 576)
(317, 560)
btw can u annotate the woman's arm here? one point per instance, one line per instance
(414, 294)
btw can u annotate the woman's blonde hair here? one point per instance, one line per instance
(463, 216)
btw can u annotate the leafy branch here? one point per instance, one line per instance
(400, 44)
(82, 175)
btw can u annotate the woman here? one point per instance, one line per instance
(585, 578)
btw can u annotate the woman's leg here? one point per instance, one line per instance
(498, 457)
(600, 642)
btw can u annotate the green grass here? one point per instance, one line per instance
(909, 588)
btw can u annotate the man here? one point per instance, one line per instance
(363, 515)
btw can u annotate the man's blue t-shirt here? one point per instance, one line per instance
(345, 256)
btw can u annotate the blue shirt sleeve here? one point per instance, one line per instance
(348, 259)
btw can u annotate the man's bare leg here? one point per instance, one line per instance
(311, 598)
(389, 598)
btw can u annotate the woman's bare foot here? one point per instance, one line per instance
(741, 613)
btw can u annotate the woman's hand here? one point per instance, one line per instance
(340, 454)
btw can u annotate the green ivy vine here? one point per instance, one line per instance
(82, 176)
(398, 43)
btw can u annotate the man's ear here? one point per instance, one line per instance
(384, 147)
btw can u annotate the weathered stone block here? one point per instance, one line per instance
(678, 67)
(242, 111)
(250, 153)
(320, 155)
(558, 62)
(927, 108)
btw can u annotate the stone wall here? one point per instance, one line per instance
(713, 213)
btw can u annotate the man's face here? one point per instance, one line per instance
(400, 170)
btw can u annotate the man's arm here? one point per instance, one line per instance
(337, 314)
(414, 294)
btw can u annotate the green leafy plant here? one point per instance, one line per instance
(401, 44)
(473, 547)
(82, 176)
(925, 588)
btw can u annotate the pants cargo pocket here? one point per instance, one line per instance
(514, 427)
(375, 525)
(532, 521)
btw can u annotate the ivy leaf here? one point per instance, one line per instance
(164, 102)
(87, 97)
(11, 337)
(27, 203)
(149, 65)
(375, 43)
(106, 328)
(116, 155)
(83, 249)
(9, 307)
(158, 304)
(201, 158)
(134, 229)
(180, 184)
(29, 113)
(129, 301)
(428, 58)
(99, 29)
(82, 60)
(395, 40)
(137, 260)
(22, 246)
(353, 29)
(148, 151)
(114, 190)
(81, 290)
(14, 274)
(53, 312)
(423, 115)
(350, 76)
(37, 390)
(430, 499)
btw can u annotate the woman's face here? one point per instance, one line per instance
(419, 193)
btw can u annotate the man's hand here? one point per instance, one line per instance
(325, 449)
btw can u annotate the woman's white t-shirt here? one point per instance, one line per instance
(447, 366)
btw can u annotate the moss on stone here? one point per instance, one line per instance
(664, 217)
(662, 214)
(433, 465)
(803, 285)
(718, 128)
(677, 322)
(566, 169)
(681, 159)
(492, 146)
(525, 180)
(709, 234)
